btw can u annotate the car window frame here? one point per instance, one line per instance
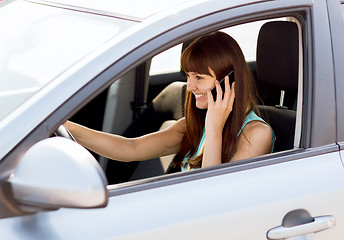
(336, 18)
(159, 181)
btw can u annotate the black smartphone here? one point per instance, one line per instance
(222, 84)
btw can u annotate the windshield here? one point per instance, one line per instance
(40, 42)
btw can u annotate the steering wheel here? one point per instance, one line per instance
(63, 132)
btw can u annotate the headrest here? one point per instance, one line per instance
(278, 55)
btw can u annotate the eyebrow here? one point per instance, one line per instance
(195, 73)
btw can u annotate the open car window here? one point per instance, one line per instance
(273, 98)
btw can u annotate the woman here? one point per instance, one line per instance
(212, 132)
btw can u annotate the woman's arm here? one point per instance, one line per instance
(216, 118)
(116, 147)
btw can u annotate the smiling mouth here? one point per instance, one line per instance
(199, 95)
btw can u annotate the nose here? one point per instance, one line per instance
(191, 84)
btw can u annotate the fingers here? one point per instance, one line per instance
(229, 91)
(232, 96)
(219, 93)
(210, 97)
(227, 98)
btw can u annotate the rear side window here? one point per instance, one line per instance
(245, 34)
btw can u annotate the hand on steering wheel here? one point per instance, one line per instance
(63, 132)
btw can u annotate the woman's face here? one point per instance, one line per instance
(198, 84)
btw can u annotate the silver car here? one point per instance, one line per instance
(113, 66)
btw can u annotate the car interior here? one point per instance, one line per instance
(153, 100)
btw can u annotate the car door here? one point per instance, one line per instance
(298, 192)
(243, 204)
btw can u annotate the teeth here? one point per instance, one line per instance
(199, 95)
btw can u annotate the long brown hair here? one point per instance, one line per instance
(221, 53)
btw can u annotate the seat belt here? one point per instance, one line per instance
(141, 89)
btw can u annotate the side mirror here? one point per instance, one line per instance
(57, 172)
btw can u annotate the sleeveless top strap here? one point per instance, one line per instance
(251, 116)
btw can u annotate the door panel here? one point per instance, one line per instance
(245, 205)
(238, 205)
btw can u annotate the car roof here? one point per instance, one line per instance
(120, 9)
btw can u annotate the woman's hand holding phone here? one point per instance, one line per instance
(220, 107)
(216, 117)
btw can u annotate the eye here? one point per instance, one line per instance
(199, 77)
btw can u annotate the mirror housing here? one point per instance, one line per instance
(57, 172)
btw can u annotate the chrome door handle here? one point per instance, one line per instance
(319, 224)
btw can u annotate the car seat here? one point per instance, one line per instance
(277, 70)
(167, 106)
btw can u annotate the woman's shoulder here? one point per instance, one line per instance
(254, 140)
(251, 118)
(258, 133)
(257, 127)
(181, 122)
